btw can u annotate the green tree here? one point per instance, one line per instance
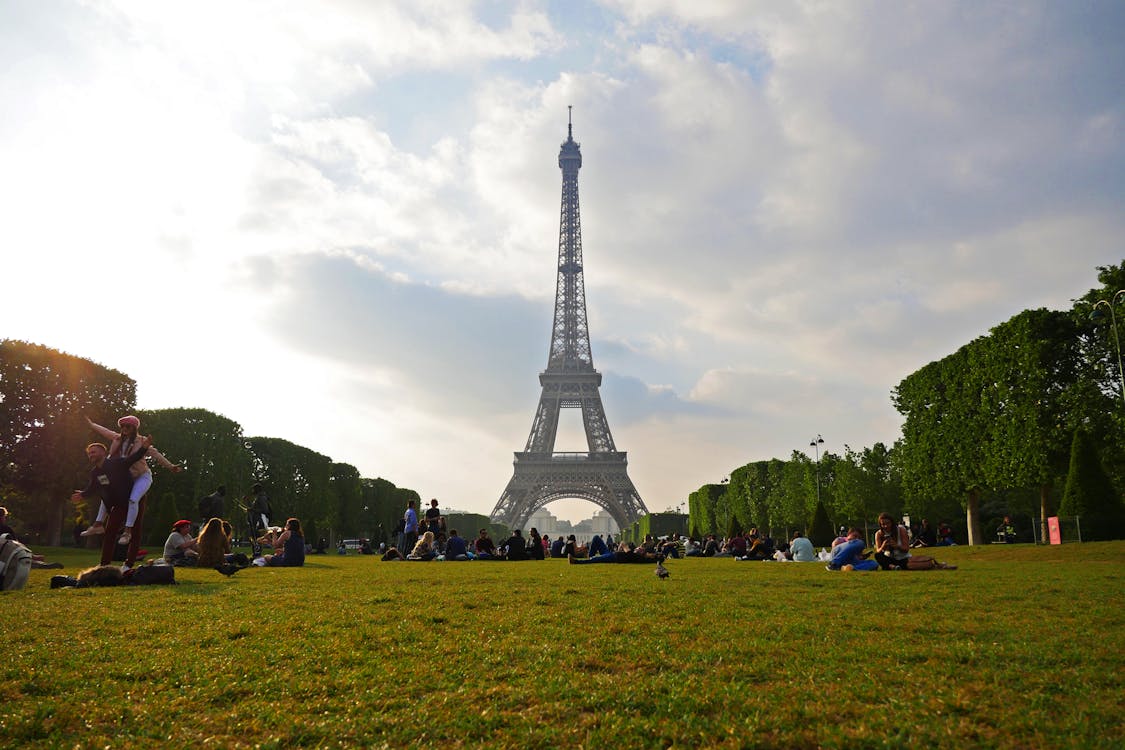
(213, 452)
(45, 396)
(702, 505)
(296, 478)
(347, 493)
(944, 434)
(1032, 366)
(1089, 493)
(820, 530)
(1097, 397)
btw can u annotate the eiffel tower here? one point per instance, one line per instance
(570, 381)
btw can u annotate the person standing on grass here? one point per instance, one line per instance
(122, 444)
(409, 526)
(212, 505)
(111, 479)
(433, 517)
(259, 513)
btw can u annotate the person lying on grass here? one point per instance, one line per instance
(626, 553)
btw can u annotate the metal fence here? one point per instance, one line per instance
(1070, 530)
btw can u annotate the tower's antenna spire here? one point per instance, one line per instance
(569, 123)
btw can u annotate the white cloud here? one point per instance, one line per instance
(786, 209)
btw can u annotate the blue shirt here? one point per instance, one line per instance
(411, 521)
(455, 547)
(847, 553)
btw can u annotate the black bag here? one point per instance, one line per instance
(147, 574)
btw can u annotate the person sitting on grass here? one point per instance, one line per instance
(424, 548)
(455, 547)
(710, 546)
(850, 554)
(626, 553)
(37, 561)
(485, 548)
(801, 549)
(925, 536)
(180, 548)
(289, 547)
(756, 547)
(945, 535)
(1006, 531)
(892, 544)
(737, 546)
(516, 547)
(535, 545)
(391, 555)
(213, 545)
(892, 550)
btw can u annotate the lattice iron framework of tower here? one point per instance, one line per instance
(570, 381)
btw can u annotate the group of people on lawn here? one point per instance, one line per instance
(427, 538)
(120, 478)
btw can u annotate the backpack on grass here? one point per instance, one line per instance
(15, 564)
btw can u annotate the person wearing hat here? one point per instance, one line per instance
(180, 548)
(123, 444)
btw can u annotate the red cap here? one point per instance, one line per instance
(181, 522)
(129, 420)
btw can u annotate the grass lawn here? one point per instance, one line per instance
(1022, 646)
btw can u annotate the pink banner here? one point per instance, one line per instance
(1053, 530)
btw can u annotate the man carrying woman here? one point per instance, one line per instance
(122, 444)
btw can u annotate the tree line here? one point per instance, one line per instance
(45, 398)
(1028, 419)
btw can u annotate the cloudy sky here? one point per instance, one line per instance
(337, 222)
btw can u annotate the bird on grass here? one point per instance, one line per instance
(227, 569)
(661, 571)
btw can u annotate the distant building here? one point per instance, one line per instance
(547, 523)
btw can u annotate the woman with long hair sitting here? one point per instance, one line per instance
(424, 549)
(289, 546)
(213, 544)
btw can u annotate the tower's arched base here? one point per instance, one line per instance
(540, 479)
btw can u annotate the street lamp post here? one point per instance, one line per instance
(816, 443)
(1096, 315)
